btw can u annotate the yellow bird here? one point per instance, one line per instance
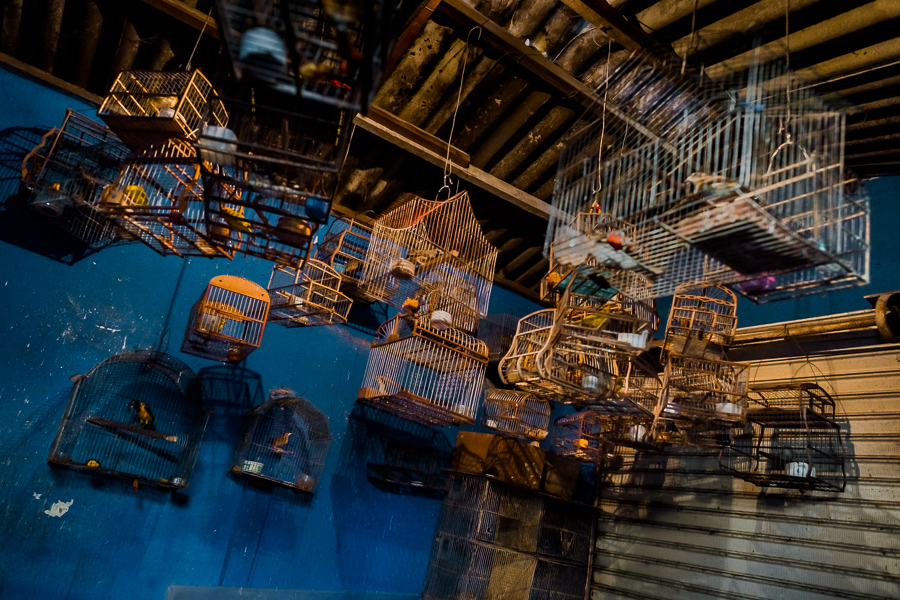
(279, 442)
(236, 220)
(411, 306)
(144, 414)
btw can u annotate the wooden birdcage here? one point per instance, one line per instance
(158, 198)
(790, 440)
(598, 239)
(66, 174)
(517, 414)
(228, 321)
(580, 436)
(307, 297)
(344, 248)
(152, 106)
(137, 415)
(422, 244)
(423, 374)
(497, 332)
(592, 279)
(697, 389)
(702, 321)
(284, 441)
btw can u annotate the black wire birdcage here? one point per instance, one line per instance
(284, 441)
(137, 415)
(66, 174)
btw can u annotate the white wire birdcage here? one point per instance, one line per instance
(702, 321)
(517, 414)
(343, 248)
(159, 199)
(697, 389)
(423, 374)
(228, 321)
(307, 297)
(152, 106)
(66, 174)
(419, 244)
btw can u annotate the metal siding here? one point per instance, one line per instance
(673, 527)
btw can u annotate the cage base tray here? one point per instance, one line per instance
(775, 480)
(412, 407)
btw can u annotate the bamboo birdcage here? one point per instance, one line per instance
(344, 248)
(228, 321)
(497, 332)
(66, 174)
(517, 414)
(158, 198)
(429, 376)
(419, 244)
(307, 297)
(137, 415)
(580, 436)
(696, 389)
(591, 279)
(152, 106)
(702, 321)
(284, 441)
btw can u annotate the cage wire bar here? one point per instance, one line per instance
(228, 321)
(423, 374)
(158, 198)
(343, 248)
(284, 441)
(66, 174)
(152, 106)
(420, 246)
(307, 297)
(702, 321)
(137, 415)
(791, 440)
(517, 414)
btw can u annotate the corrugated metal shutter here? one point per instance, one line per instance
(673, 527)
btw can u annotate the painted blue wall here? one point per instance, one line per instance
(60, 320)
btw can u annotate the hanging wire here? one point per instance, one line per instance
(787, 42)
(603, 120)
(690, 47)
(199, 37)
(462, 80)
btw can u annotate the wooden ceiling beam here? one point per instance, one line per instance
(600, 14)
(187, 15)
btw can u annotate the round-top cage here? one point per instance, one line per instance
(423, 374)
(153, 106)
(228, 321)
(308, 296)
(137, 415)
(517, 414)
(702, 321)
(580, 436)
(284, 441)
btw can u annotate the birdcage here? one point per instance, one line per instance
(634, 431)
(702, 321)
(599, 239)
(152, 106)
(298, 46)
(158, 198)
(344, 249)
(228, 321)
(422, 244)
(308, 296)
(565, 532)
(594, 280)
(423, 374)
(517, 414)
(284, 441)
(554, 580)
(705, 390)
(580, 436)
(137, 415)
(66, 174)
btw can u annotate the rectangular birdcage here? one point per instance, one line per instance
(580, 436)
(137, 415)
(67, 173)
(702, 321)
(419, 244)
(554, 580)
(228, 321)
(158, 197)
(296, 47)
(344, 248)
(705, 390)
(565, 532)
(592, 279)
(462, 569)
(479, 508)
(517, 414)
(307, 297)
(424, 374)
(152, 106)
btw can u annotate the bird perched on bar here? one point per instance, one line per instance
(411, 306)
(144, 414)
(279, 442)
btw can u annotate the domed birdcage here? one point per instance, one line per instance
(580, 436)
(423, 374)
(517, 414)
(137, 415)
(228, 321)
(284, 441)
(702, 321)
(152, 106)
(308, 296)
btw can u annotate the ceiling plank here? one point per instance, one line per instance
(600, 14)
(187, 15)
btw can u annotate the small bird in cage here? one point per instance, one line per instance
(144, 414)
(411, 306)
(279, 442)
(164, 106)
(236, 220)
